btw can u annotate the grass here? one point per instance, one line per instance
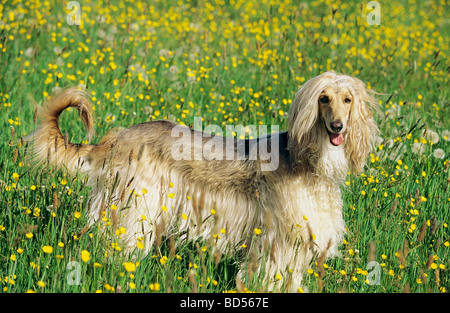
(230, 62)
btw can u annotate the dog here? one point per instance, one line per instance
(284, 216)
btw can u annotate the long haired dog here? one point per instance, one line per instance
(283, 216)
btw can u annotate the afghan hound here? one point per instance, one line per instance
(284, 215)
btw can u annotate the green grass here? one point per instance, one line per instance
(231, 62)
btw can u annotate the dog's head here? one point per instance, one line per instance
(334, 104)
(338, 107)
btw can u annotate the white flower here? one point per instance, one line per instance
(174, 70)
(59, 61)
(164, 53)
(56, 90)
(29, 53)
(191, 77)
(389, 144)
(101, 19)
(418, 148)
(432, 136)
(57, 50)
(439, 153)
(379, 140)
(101, 33)
(109, 37)
(397, 152)
(446, 135)
(134, 27)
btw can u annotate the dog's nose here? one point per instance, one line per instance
(336, 126)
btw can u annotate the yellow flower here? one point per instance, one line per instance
(16, 176)
(77, 215)
(144, 191)
(278, 277)
(85, 256)
(63, 182)
(132, 285)
(184, 216)
(114, 207)
(129, 266)
(29, 235)
(163, 260)
(257, 231)
(154, 287)
(41, 284)
(109, 287)
(47, 249)
(13, 257)
(171, 195)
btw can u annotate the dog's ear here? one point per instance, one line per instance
(304, 111)
(362, 128)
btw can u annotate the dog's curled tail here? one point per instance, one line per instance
(48, 145)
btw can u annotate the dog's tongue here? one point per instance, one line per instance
(336, 139)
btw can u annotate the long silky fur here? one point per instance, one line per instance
(298, 206)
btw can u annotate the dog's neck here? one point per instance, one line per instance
(332, 162)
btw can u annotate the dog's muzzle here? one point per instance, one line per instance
(336, 138)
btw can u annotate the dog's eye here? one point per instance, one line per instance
(324, 100)
(347, 100)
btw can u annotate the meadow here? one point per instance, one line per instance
(229, 62)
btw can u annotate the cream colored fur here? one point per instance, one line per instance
(298, 206)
